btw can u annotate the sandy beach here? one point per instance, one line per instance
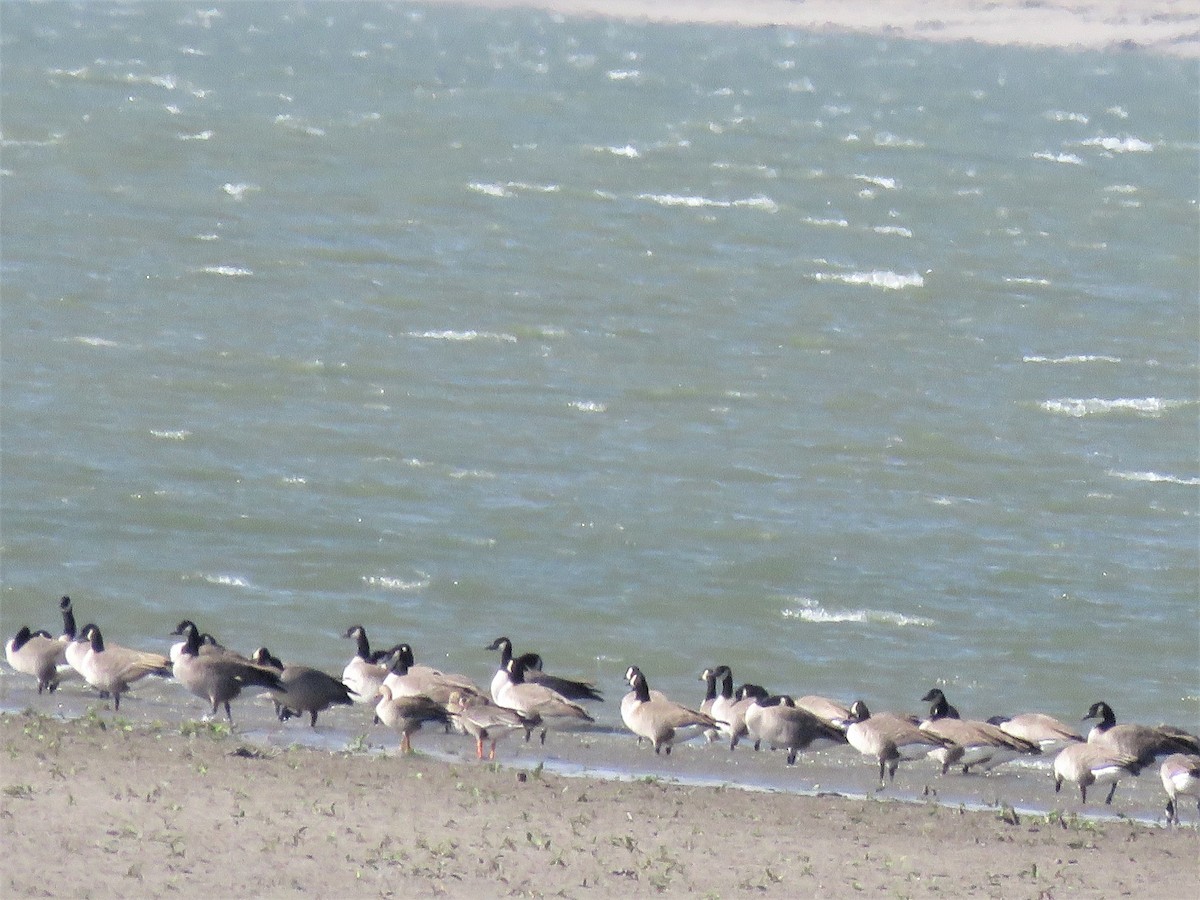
(100, 807)
(1159, 26)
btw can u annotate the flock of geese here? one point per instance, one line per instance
(522, 698)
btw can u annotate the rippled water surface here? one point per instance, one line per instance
(858, 365)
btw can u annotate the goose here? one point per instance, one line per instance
(537, 702)
(1180, 774)
(570, 688)
(734, 714)
(406, 714)
(657, 718)
(112, 669)
(779, 723)
(365, 671)
(890, 738)
(38, 654)
(405, 679)
(828, 711)
(982, 743)
(208, 645)
(1143, 742)
(1038, 728)
(65, 669)
(709, 677)
(485, 721)
(218, 676)
(937, 698)
(306, 690)
(1087, 764)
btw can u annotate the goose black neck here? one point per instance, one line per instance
(641, 689)
(21, 638)
(363, 650)
(68, 617)
(727, 684)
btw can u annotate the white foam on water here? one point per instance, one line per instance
(239, 189)
(879, 181)
(898, 230)
(91, 341)
(1070, 359)
(1078, 407)
(809, 610)
(1067, 158)
(228, 271)
(465, 336)
(1119, 144)
(392, 583)
(1154, 477)
(892, 281)
(589, 406)
(180, 434)
(699, 202)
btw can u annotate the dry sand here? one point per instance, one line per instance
(1160, 26)
(101, 807)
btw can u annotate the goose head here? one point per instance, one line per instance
(262, 656)
(859, 711)
(1102, 711)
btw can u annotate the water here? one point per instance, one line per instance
(858, 365)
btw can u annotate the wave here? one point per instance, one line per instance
(465, 336)
(91, 341)
(878, 181)
(391, 583)
(1079, 407)
(180, 434)
(1068, 158)
(1119, 145)
(1154, 477)
(1074, 358)
(808, 610)
(898, 230)
(892, 281)
(495, 189)
(696, 202)
(230, 271)
(590, 406)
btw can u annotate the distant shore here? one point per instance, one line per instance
(102, 807)
(1170, 27)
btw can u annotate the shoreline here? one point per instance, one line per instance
(1167, 27)
(122, 808)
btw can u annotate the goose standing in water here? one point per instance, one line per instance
(113, 669)
(365, 671)
(982, 743)
(651, 715)
(406, 714)
(38, 654)
(306, 690)
(1038, 728)
(890, 738)
(538, 703)
(570, 688)
(1144, 743)
(218, 677)
(485, 721)
(1180, 774)
(1087, 764)
(780, 724)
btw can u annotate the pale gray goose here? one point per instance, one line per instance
(113, 669)
(658, 719)
(1038, 728)
(779, 723)
(406, 679)
(218, 677)
(1087, 764)
(982, 743)
(1180, 774)
(571, 688)
(486, 721)
(1143, 742)
(38, 654)
(890, 738)
(306, 690)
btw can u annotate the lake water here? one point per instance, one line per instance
(859, 365)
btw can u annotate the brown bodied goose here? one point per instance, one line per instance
(36, 653)
(485, 721)
(1180, 774)
(982, 743)
(1143, 742)
(537, 702)
(112, 669)
(1038, 728)
(1087, 764)
(218, 677)
(570, 688)
(658, 719)
(780, 724)
(890, 738)
(405, 679)
(408, 713)
(365, 671)
(306, 690)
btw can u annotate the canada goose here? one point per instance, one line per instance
(220, 676)
(306, 690)
(1088, 764)
(208, 645)
(570, 688)
(1143, 742)
(779, 723)
(113, 669)
(982, 743)
(65, 669)
(405, 679)
(657, 718)
(1180, 774)
(36, 653)
(1038, 728)
(538, 703)
(890, 738)
(485, 721)
(938, 699)
(828, 711)
(734, 714)
(408, 713)
(709, 677)
(365, 671)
